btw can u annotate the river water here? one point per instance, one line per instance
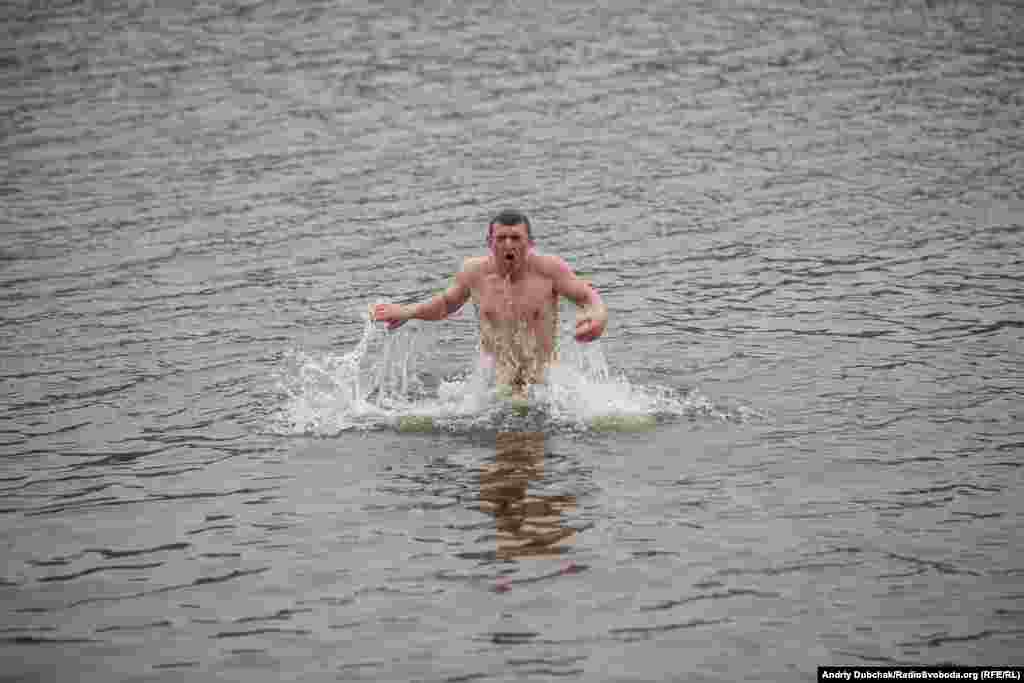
(805, 218)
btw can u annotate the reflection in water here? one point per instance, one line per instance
(527, 525)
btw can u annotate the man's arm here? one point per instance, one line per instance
(437, 308)
(592, 318)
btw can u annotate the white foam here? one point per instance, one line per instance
(379, 381)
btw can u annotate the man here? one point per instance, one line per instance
(516, 292)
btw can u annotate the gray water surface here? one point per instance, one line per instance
(805, 218)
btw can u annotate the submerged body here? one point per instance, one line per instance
(516, 292)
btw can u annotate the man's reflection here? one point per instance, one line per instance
(527, 525)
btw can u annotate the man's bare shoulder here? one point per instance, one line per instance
(474, 268)
(551, 266)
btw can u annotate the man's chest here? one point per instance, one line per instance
(529, 297)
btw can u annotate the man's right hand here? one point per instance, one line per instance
(395, 315)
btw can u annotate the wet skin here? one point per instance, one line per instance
(516, 291)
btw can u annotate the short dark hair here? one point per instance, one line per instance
(508, 217)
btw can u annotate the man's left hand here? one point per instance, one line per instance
(590, 325)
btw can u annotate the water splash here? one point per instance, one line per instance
(381, 383)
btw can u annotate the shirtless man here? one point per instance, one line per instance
(516, 292)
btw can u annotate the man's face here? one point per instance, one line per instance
(510, 246)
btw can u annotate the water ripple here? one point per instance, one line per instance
(805, 221)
